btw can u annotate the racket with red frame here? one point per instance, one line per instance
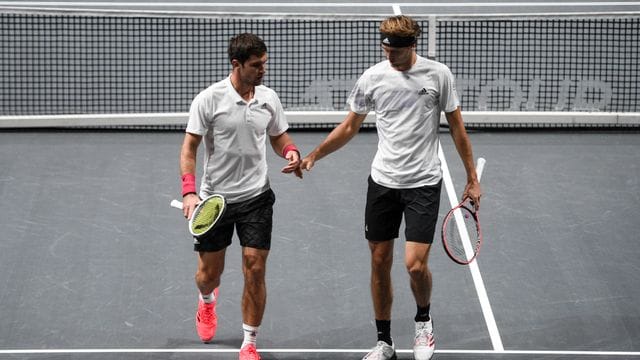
(461, 231)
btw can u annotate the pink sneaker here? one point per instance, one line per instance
(249, 352)
(206, 319)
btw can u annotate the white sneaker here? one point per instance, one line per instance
(424, 344)
(382, 351)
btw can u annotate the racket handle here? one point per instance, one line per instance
(176, 204)
(480, 167)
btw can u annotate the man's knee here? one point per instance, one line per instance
(417, 268)
(254, 266)
(207, 279)
(381, 255)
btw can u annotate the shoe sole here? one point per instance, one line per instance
(394, 357)
(414, 358)
(206, 341)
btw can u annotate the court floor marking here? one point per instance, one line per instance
(492, 327)
(310, 351)
(319, 5)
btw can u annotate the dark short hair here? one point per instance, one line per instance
(243, 46)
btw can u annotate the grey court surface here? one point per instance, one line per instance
(94, 264)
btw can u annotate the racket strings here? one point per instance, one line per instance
(458, 225)
(206, 215)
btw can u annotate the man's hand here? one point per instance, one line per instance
(473, 192)
(307, 163)
(294, 164)
(189, 203)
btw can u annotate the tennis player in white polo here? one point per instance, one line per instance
(408, 93)
(235, 118)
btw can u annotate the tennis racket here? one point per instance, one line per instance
(206, 215)
(461, 232)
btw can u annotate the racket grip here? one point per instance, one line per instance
(176, 204)
(480, 167)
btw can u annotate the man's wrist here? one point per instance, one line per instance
(188, 184)
(290, 147)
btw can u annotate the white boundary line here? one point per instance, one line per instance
(319, 5)
(321, 117)
(308, 351)
(492, 327)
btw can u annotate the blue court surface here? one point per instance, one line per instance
(94, 263)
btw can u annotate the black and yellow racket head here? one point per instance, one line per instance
(207, 214)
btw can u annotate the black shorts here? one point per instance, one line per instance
(252, 219)
(385, 207)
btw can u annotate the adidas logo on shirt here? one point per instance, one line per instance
(422, 92)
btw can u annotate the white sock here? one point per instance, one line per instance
(208, 299)
(250, 334)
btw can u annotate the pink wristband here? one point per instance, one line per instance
(290, 147)
(188, 184)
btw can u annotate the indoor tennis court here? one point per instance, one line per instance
(95, 264)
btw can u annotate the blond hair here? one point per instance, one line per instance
(401, 25)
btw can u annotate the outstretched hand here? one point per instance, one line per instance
(307, 163)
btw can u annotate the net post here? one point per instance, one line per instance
(431, 43)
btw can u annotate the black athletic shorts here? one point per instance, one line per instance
(385, 208)
(252, 219)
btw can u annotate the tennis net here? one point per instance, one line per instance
(106, 69)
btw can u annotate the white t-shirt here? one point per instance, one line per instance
(235, 134)
(408, 105)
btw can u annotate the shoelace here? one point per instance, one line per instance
(423, 337)
(206, 315)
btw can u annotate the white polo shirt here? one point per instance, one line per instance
(408, 105)
(235, 133)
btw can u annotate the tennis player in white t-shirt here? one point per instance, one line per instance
(407, 93)
(235, 118)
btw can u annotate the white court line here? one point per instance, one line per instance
(317, 5)
(494, 334)
(306, 351)
(492, 327)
